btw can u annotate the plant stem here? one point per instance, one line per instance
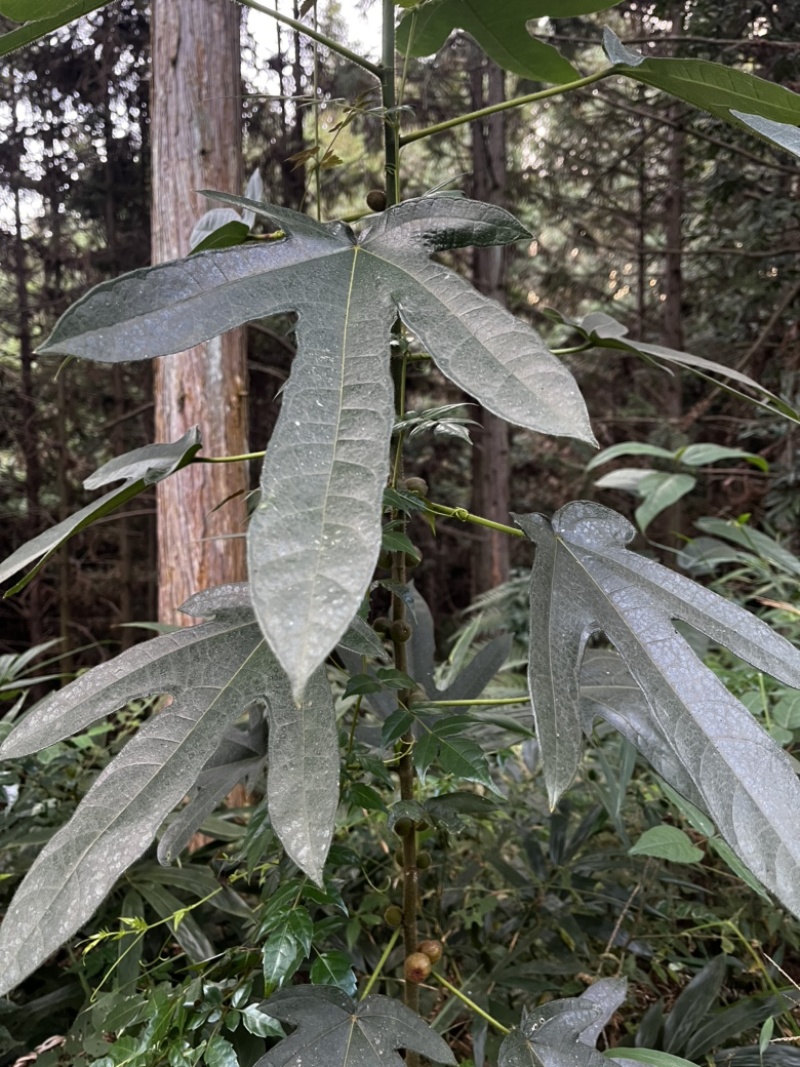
(315, 35)
(373, 978)
(391, 145)
(519, 101)
(466, 516)
(471, 703)
(470, 1003)
(229, 459)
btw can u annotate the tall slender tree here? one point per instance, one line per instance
(196, 139)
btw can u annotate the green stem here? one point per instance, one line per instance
(471, 703)
(373, 978)
(519, 101)
(229, 459)
(571, 351)
(466, 516)
(391, 143)
(470, 1004)
(315, 35)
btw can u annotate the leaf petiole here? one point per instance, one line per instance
(466, 516)
(470, 1003)
(518, 101)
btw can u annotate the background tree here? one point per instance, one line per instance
(196, 73)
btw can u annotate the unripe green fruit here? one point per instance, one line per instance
(432, 949)
(376, 199)
(381, 625)
(417, 967)
(403, 826)
(423, 860)
(400, 631)
(417, 486)
(393, 916)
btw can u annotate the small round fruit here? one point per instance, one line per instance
(432, 949)
(400, 631)
(393, 916)
(418, 486)
(403, 826)
(423, 861)
(417, 967)
(376, 199)
(381, 625)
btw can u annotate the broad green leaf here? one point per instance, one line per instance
(256, 1022)
(228, 235)
(667, 843)
(723, 91)
(53, 15)
(315, 535)
(211, 222)
(650, 1057)
(660, 490)
(754, 541)
(214, 672)
(220, 1053)
(703, 455)
(694, 1004)
(782, 134)
(628, 448)
(33, 10)
(140, 469)
(499, 28)
(334, 969)
(280, 957)
(584, 581)
(334, 1030)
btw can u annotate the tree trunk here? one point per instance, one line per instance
(490, 454)
(196, 144)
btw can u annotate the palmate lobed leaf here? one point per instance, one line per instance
(563, 1033)
(139, 469)
(743, 780)
(315, 536)
(214, 672)
(334, 1030)
(500, 30)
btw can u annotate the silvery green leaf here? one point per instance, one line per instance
(140, 469)
(782, 134)
(240, 755)
(303, 774)
(253, 191)
(609, 692)
(361, 639)
(214, 672)
(314, 538)
(335, 1030)
(562, 1033)
(744, 781)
